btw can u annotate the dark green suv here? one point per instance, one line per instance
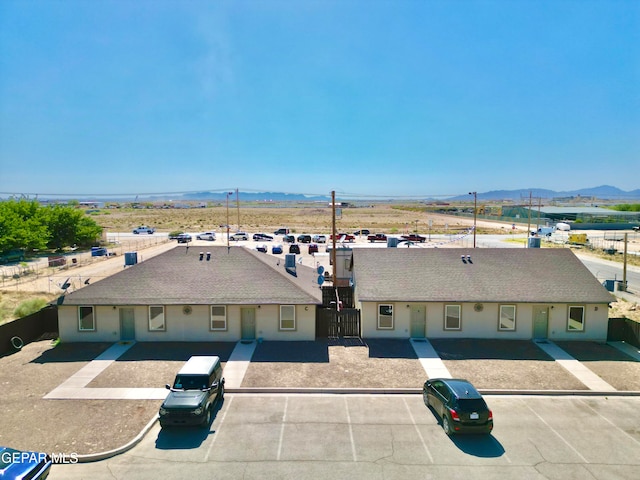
(197, 387)
(16, 255)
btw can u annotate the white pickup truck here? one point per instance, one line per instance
(144, 229)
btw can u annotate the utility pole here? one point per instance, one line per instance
(238, 207)
(228, 193)
(624, 264)
(333, 236)
(526, 243)
(475, 215)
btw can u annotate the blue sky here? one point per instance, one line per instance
(370, 97)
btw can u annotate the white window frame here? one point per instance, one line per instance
(385, 317)
(501, 316)
(459, 316)
(93, 318)
(159, 328)
(217, 318)
(287, 314)
(582, 319)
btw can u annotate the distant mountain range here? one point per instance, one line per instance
(603, 192)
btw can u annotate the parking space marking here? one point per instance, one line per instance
(353, 443)
(557, 434)
(284, 420)
(217, 434)
(415, 426)
(609, 421)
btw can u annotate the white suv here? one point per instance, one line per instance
(143, 229)
(319, 239)
(206, 236)
(239, 236)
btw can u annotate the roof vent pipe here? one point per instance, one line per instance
(201, 255)
(208, 256)
(469, 258)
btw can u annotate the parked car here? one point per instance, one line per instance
(304, 238)
(184, 238)
(239, 236)
(262, 247)
(197, 387)
(319, 239)
(343, 237)
(99, 252)
(211, 236)
(276, 249)
(289, 239)
(414, 237)
(459, 405)
(313, 248)
(282, 231)
(378, 237)
(262, 236)
(143, 229)
(174, 235)
(16, 255)
(294, 248)
(364, 231)
(22, 465)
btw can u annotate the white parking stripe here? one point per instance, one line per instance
(557, 434)
(217, 434)
(284, 419)
(353, 444)
(413, 420)
(609, 422)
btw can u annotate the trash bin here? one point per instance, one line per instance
(608, 284)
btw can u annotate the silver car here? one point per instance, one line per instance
(319, 239)
(206, 236)
(239, 236)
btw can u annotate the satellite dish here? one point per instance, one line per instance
(320, 269)
(320, 279)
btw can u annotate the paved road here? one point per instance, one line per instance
(386, 437)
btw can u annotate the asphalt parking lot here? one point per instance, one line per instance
(386, 437)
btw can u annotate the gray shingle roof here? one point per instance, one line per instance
(233, 276)
(493, 275)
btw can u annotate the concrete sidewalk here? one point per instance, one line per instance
(574, 367)
(429, 359)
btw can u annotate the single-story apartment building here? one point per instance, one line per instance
(191, 294)
(478, 293)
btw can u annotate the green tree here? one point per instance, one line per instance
(27, 224)
(22, 225)
(68, 226)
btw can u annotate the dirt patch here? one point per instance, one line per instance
(153, 365)
(71, 426)
(322, 364)
(615, 367)
(504, 364)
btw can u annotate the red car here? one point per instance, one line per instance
(343, 237)
(414, 237)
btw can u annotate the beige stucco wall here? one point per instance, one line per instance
(484, 324)
(182, 327)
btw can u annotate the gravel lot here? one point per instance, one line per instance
(62, 426)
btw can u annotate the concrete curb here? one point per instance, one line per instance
(95, 457)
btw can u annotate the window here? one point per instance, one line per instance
(156, 318)
(452, 317)
(575, 323)
(287, 317)
(218, 317)
(507, 317)
(385, 316)
(86, 319)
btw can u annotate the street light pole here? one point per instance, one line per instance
(228, 194)
(475, 215)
